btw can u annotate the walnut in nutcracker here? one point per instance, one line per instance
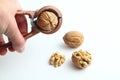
(81, 59)
(73, 38)
(47, 20)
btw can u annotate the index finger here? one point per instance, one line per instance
(22, 25)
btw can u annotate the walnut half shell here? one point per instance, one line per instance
(81, 59)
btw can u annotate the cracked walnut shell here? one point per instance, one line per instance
(57, 59)
(81, 59)
(73, 39)
(47, 20)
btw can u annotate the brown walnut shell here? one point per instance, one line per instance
(47, 21)
(81, 59)
(73, 39)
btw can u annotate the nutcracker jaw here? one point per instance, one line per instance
(52, 9)
(33, 15)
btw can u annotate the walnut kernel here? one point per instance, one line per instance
(73, 38)
(47, 20)
(57, 59)
(81, 59)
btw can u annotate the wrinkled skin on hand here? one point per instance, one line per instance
(22, 25)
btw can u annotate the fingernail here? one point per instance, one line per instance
(19, 49)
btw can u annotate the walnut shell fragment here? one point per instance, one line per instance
(47, 21)
(57, 59)
(73, 38)
(81, 59)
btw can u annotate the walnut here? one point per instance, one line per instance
(73, 38)
(81, 59)
(57, 59)
(47, 20)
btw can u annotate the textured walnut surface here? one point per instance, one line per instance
(57, 59)
(81, 58)
(73, 38)
(47, 21)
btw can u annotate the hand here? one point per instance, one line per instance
(12, 25)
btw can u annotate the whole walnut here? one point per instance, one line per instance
(73, 38)
(47, 20)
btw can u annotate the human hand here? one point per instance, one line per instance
(12, 25)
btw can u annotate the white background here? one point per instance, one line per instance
(98, 20)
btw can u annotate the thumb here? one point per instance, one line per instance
(15, 36)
